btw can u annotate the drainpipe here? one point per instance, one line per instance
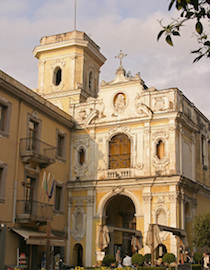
(16, 164)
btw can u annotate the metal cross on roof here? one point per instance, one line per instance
(120, 56)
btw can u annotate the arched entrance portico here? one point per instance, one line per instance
(119, 215)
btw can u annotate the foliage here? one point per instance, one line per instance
(201, 230)
(137, 259)
(108, 260)
(198, 257)
(169, 258)
(150, 268)
(147, 257)
(196, 10)
(196, 266)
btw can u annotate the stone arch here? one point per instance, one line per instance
(118, 191)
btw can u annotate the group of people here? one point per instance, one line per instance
(125, 262)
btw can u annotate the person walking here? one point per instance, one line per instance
(205, 261)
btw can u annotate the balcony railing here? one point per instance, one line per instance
(120, 173)
(28, 210)
(34, 150)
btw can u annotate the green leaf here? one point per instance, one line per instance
(171, 4)
(169, 40)
(196, 51)
(197, 58)
(199, 27)
(175, 33)
(160, 34)
(207, 43)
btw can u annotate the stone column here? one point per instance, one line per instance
(147, 199)
(68, 229)
(147, 148)
(89, 230)
(193, 157)
(181, 149)
(173, 218)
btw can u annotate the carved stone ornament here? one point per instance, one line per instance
(139, 166)
(159, 104)
(141, 108)
(161, 216)
(160, 164)
(78, 218)
(118, 129)
(80, 169)
(147, 198)
(160, 134)
(92, 109)
(173, 197)
(35, 115)
(57, 63)
(118, 190)
(119, 102)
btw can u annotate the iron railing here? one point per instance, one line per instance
(34, 210)
(36, 147)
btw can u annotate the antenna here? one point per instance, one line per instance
(75, 15)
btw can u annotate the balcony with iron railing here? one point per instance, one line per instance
(36, 151)
(35, 211)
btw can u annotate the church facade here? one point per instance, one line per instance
(137, 156)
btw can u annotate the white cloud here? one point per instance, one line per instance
(113, 25)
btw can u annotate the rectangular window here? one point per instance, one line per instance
(33, 134)
(61, 145)
(2, 117)
(204, 152)
(5, 110)
(3, 174)
(59, 197)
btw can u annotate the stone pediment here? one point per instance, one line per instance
(121, 78)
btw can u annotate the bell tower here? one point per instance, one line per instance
(69, 67)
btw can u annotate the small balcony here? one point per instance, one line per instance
(28, 210)
(120, 173)
(35, 151)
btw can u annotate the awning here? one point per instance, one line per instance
(39, 238)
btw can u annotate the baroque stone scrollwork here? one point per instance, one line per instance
(147, 198)
(92, 109)
(78, 218)
(119, 129)
(141, 108)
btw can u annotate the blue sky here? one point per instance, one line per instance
(130, 25)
